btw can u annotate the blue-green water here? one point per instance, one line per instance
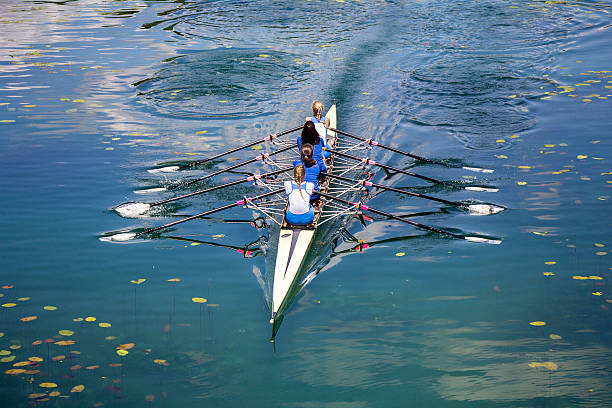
(95, 93)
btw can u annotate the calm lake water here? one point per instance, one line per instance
(95, 93)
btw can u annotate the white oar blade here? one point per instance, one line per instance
(132, 210)
(150, 190)
(487, 189)
(168, 169)
(484, 240)
(126, 236)
(484, 209)
(478, 169)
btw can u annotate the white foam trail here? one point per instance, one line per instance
(483, 240)
(132, 210)
(490, 190)
(119, 237)
(150, 190)
(478, 169)
(484, 209)
(168, 169)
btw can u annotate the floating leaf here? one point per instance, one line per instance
(105, 325)
(21, 364)
(58, 358)
(400, 254)
(90, 319)
(4, 352)
(77, 388)
(15, 346)
(201, 132)
(114, 365)
(126, 346)
(122, 352)
(138, 281)
(65, 342)
(76, 367)
(198, 300)
(36, 359)
(37, 342)
(8, 305)
(50, 307)
(48, 385)
(174, 280)
(37, 395)
(548, 274)
(597, 293)
(54, 394)
(15, 371)
(77, 319)
(66, 332)
(92, 367)
(538, 323)
(28, 318)
(257, 147)
(548, 365)
(23, 299)
(581, 157)
(521, 183)
(7, 359)
(550, 262)
(161, 362)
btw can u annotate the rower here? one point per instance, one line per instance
(312, 168)
(299, 211)
(320, 125)
(311, 136)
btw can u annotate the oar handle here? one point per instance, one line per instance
(395, 217)
(225, 207)
(233, 183)
(265, 139)
(396, 190)
(384, 166)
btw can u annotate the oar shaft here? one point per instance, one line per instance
(384, 166)
(395, 217)
(265, 139)
(225, 207)
(396, 190)
(233, 183)
(244, 163)
(372, 142)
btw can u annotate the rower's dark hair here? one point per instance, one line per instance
(307, 159)
(310, 134)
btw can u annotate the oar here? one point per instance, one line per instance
(384, 166)
(361, 206)
(265, 139)
(475, 209)
(137, 209)
(245, 200)
(372, 142)
(260, 157)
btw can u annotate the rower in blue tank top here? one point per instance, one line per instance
(321, 123)
(312, 168)
(311, 136)
(299, 210)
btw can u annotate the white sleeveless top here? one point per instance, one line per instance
(298, 204)
(320, 127)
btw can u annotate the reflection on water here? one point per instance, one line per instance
(93, 94)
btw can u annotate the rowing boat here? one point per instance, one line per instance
(302, 251)
(295, 241)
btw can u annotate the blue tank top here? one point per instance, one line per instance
(312, 172)
(317, 152)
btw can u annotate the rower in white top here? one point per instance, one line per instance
(320, 125)
(299, 211)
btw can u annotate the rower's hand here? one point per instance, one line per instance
(326, 124)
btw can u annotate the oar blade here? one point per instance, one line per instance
(477, 169)
(483, 240)
(151, 190)
(132, 210)
(122, 237)
(167, 169)
(484, 209)
(480, 188)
